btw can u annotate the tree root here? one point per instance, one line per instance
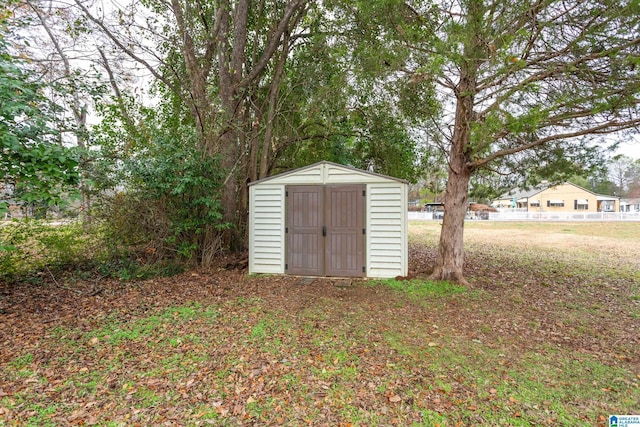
(455, 277)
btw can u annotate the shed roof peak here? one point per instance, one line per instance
(324, 164)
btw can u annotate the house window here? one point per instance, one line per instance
(534, 203)
(581, 205)
(608, 206)
(555, 203)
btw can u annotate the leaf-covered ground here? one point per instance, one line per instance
(547, 334)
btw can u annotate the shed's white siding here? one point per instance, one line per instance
(335, 174)
(306, 176)
(387, 230)
(386, 219)
(266, 225)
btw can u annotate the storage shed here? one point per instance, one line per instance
(327, 219)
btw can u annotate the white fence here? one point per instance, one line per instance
(522, 215)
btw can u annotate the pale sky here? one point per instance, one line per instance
(631, 149)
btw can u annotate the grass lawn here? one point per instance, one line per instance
(548, 333)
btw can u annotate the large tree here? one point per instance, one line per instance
(621, 171)
(633, 173)
(522, 84)
(221, 63)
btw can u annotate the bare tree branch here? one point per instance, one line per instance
(130, 53)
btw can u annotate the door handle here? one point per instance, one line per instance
(324, 230)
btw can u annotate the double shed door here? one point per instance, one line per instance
(325, 230)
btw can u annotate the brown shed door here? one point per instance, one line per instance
(305, 254)
(325, 230)
(344, 218)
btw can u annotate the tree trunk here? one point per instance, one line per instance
(229, 190)
(450, 259)
(272, 101)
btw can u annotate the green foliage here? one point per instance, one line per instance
(125, 268)
(596, 182)
(31, 156)
(172, 196)
(572, 87)
(346, 115)
(34, 251)
(384, 144)
(27, 247)
(542, 88)
(313, 122)
(482, 192)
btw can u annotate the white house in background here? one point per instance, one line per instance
(327, 219)
(630, 204)
(565, 197)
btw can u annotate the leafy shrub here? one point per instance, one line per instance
(171, 205)
(28, 246)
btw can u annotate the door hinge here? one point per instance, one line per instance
(364, 193)
(286, 229)
(286, 194)
(364, 231)
(286, 266)
(364, 269)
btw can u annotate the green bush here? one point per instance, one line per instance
(170, 207)
(28, 246)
